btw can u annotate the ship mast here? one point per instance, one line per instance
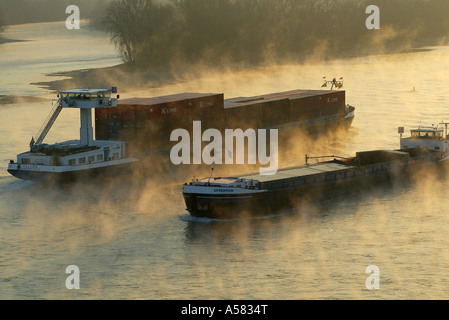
(211, 173)
(334, 83)
(446, 124)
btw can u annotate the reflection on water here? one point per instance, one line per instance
(133, 239)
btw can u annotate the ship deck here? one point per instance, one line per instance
(299, 172)
(172, 98)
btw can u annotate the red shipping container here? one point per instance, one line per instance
(128, 113)
(173, 105)
(114, 113)
(101, 114)
(331, 99)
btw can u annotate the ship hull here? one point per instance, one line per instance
(223, 208)
(272, 202)
(330, 126)
(57, 174)
(314, 128)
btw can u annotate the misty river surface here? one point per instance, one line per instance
(134, 239)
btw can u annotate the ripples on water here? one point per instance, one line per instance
(134, 240)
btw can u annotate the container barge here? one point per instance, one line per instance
(261, 195)
(145, 124)
(123, 132)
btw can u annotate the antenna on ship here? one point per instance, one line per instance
(401, 131)
(446, 124)
(334, 83)
(211, 173)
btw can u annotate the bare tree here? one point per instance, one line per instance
(126, 22)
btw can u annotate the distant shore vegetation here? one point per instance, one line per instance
(2, 23)
(170, 33)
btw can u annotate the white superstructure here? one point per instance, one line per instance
(85, 154)
(429, 138)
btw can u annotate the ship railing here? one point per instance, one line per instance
(324, 157)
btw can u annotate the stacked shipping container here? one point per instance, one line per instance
(146, 123)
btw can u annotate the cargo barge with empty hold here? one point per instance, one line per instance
(262, 195)
(145, 124)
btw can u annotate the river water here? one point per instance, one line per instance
(135, 241)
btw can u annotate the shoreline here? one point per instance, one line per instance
(132, 77)
(106, 77)
(7, 40)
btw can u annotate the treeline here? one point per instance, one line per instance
(175, 32)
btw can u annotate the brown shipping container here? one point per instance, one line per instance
(165, 110)
(159, 135)
(331, 110)
(207, 104)
(275, 113)
(148, 122)
(114, 128)
(128, 113)
(213, 120)
(303, 104)
(332, 98)
(101, 130)
(174, 105)
(101, 114)
(114, 114)
(244, 117)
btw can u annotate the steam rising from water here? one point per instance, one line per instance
(131, 240)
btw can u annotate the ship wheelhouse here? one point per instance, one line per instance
(427, 138)
(429, 133)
